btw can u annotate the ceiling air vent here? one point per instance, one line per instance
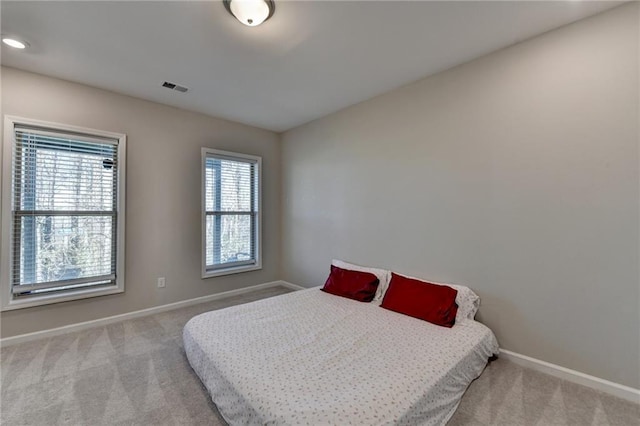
(174, 86)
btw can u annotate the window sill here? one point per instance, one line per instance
(58, 298)
(229, 271)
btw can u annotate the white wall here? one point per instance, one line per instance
(163, 194)
(515, 174)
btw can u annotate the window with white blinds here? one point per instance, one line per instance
(231, 214)
(65, 226)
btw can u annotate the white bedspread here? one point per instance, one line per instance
(309, 357)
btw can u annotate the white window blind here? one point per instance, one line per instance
(64, 212)
(231, 213)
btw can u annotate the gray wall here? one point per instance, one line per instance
(515, 174)
(163, 194)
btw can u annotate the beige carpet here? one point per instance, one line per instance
(135, 373)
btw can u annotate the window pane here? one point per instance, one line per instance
(229, 239)
(54, 248)
(229, 185)
(64, 176)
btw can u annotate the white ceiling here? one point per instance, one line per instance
(310, 59)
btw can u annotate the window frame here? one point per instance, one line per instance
(8, 301)
(240, 266)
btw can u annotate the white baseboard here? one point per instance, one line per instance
(291, 285)
(136, 314)
(611, 388)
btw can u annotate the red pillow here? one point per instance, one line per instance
(355, 285)
(423, 300)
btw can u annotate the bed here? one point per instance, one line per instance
(309, 357)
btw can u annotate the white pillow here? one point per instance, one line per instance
(468, 302)
(383, 276)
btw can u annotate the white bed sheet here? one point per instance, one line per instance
(309, 357)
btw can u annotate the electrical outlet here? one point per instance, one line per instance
(162, 282)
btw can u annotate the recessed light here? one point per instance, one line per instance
(15, 43)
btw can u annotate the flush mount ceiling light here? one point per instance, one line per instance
(14, 42)
(250, 12)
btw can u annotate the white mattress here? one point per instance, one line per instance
(309, 357)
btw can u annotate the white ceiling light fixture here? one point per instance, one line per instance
(14, 42)
(250, 12)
